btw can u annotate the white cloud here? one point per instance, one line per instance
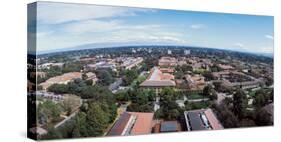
(92, 26)
(109, 32)
(56, 13)
(241, 45)
(267, 49)
(269, 36)
(198, 26)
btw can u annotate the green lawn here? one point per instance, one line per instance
(194, 96)
(252, 93)
(198, 105)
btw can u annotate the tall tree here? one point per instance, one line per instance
(105, 77)
(130, 76)
(240, 103)
(97, 120)
(209, 91)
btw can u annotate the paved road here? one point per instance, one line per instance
(66, 119)
(70, 116)
(198, 100)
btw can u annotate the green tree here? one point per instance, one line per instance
(169, 108)
(226, 116)
(50, 111)
(97, 120)
(52, 134)
(89, 82)
(59, 88)
(141, 102)
(105, 77)
(259, 100)
(240, 103)
(130, 76)
(209, 91)
(122, 96)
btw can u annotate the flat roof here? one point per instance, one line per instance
(195, 121)
(169, 126)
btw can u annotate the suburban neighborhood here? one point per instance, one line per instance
(147, 90)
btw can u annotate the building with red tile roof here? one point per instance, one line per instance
(157, 78)
(167, 61)
(143, 123)
(132, 123)
(62, 79)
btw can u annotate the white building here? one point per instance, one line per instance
(169, 52)
(186, 52)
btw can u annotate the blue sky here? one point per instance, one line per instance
(60, 26)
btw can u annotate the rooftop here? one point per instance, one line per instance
(202, 119)
(120, 124)
(143, 123)
(158, 79)
(167, 61)
(62, 79)
(169, 126)
(132, 123)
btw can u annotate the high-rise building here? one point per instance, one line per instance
(169, 52)
(186, 52)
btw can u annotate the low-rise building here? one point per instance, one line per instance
(132, 123)
(235, 79)
(129, 63)
(92, 76)
(202, 119)
(101, 65)
(225, 67)
(157, 79)
(115, 85)
(167, 61)
(195, 82)
(62, 79)
(48, 65)
(169, 126)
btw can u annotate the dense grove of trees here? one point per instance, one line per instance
(48, 112)
(80, 88)
(141, 101)
(129, 76)
(106, 77)
(262, 97)
(234, 113)
(96, 114)
(93, 120)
